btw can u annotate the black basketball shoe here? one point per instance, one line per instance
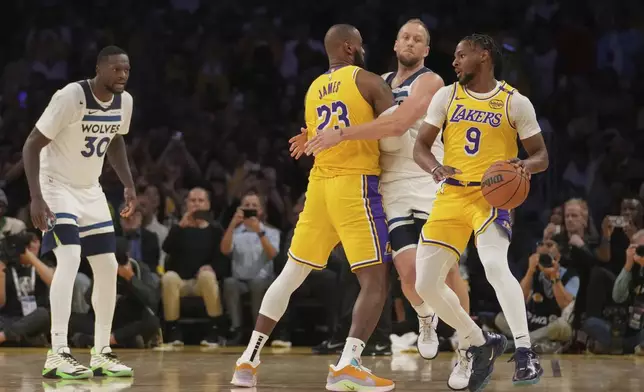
(527, 370)
(483, 358)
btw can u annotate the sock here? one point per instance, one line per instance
(255, 345)
(60, 293)
(423, 310)
(352, 349)
(104, 267)
(493, 249)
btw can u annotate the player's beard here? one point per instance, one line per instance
(358, 59)
(409, 62)
(113, 90)
(466, 78)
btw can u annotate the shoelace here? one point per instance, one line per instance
(70, 359)
(111, 357)
(523, 358)
(464, 361)
(426, 326)
(360, 366)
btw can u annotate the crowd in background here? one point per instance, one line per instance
(218, 90)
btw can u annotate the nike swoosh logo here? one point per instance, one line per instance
(92, 111)
(334, 345)
(380, 348)
(457, 98)
(492, 355)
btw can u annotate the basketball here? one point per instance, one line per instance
(504, 187)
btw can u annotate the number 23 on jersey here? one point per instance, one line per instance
(335, 114)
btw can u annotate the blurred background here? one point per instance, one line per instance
(219, 89)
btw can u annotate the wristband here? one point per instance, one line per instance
(434, 169)
(555, 280)
(261, 234)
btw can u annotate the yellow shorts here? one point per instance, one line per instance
(458, 211)
(345, 209)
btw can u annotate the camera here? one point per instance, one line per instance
(545, 260)
(12, 246)
(249, 213)
(640, 251)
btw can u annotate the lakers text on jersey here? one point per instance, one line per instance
(343, 203)
(80, 129)
(478, 132)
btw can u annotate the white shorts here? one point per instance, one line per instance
(407, 202)
(83, 218)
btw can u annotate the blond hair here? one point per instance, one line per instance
(418, 22)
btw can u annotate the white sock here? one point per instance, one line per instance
(492, 246)
(61, 291)
(432, 265)
(352, 349)
(423, 310)
(104, 268)
(254, 348)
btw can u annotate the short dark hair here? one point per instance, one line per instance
(107, 52)
(486, 42)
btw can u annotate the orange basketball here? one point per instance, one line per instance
(504, 187)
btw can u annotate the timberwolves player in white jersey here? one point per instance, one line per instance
(63, 159)
(408, 191)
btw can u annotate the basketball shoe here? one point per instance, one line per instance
(483, 358)
(460, 376)
(355, 377)
(106, 363)
(528, 370)
(245, 374)
(63, 365)
(427, 337)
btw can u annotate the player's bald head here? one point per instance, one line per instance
(343, 43)
(338, 35)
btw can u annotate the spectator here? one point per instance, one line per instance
(135, 323)
(628, 335)
(151, 223)
(549, 290)
(143, 245)
(252, 245)
(8, 225)
(24, 295)
(193, 267)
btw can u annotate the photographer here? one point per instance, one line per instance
(627, 337)
(549, 290)
(24, 288)
(252, 245)
(193, 267)
(135, 323)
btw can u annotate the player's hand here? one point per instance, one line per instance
(323, 140)
(130, 202)
(443, 172)
(41, 215)
(519, 164)
(252, 224)
(297, 144)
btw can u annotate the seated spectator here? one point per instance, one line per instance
(549, 290)
(193, 267)
(24, 296)
(625, 336)
(8, 225)
(252, 244)
(143, 245)
(152, 224)
(135, 323)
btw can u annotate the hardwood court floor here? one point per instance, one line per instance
(195, 369)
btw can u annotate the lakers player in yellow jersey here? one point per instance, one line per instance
(343, 204)
(481, 118)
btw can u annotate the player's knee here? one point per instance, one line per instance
(373, 280)
(405, 263)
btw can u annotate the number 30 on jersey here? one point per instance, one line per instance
(95, 146)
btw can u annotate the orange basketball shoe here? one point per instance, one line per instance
(245, 375)
(355, 377)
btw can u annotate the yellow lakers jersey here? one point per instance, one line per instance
(478, 132)
(332, 101)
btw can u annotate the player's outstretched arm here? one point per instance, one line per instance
(117, 156)
(404, 117)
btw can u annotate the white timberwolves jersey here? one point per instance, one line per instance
(81, 128)
(400, 164)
